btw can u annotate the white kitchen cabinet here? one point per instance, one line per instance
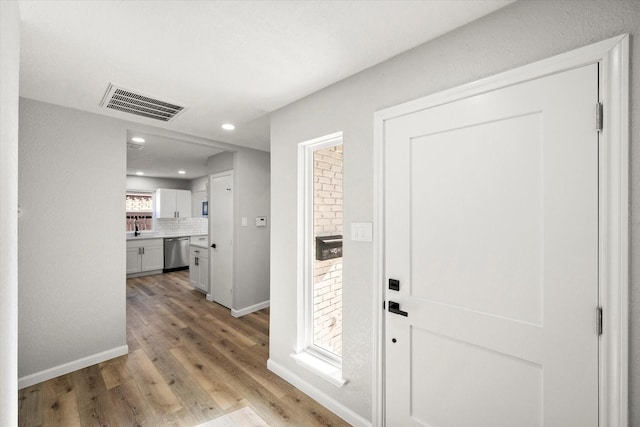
(172, 203)
(199, 268)
(152, 257)
(144, 256)
(183, 203)
(201, 239)
(134, 260)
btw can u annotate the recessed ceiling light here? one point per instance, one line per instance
(137, 139)
(228, 126)
(181, 172)
(139, 173)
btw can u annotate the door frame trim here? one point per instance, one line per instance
(613, 56)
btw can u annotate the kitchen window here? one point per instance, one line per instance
(139, 211)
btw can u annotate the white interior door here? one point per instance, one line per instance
(221, 238)
(491, 229)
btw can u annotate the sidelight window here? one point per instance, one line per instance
(320, 243)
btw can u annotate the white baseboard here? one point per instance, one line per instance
(321, 397)
(74, 365)
(250, 309)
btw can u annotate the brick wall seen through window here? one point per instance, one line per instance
(327, 274)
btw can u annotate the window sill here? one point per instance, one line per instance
(320, 367)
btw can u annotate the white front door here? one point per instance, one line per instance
(491, 229)
(221, 238)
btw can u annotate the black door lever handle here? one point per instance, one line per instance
(394, 307)
(213, 245)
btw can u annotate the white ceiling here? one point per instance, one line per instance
(163, 157)
(226, 61)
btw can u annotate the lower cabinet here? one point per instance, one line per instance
(144, 256)
(199, 268)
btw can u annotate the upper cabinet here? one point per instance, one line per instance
(173, 203)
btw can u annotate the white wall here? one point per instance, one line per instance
(199, 184)
(9, 74)
(252, 199)
(220, 162)
(521, 33)
(71, 236)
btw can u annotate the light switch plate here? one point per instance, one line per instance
(244, 221)
(362, 231)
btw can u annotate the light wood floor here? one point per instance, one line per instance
(189, 362)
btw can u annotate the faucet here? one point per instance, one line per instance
(137, 232)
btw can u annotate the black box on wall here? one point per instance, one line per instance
(328, 247)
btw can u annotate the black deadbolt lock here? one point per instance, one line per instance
(394, 284)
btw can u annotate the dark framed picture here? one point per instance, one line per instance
(205, 208)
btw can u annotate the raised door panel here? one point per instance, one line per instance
(133, 259)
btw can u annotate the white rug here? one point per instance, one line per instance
(244, 417)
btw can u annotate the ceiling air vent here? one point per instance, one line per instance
(128, 101)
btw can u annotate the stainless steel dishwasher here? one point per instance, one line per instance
(176, 253)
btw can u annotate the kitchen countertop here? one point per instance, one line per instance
(148, 235)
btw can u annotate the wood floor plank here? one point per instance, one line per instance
(195, 309)
(130, 407)
(94, 406)
(156, 391)
(113, 371)
(200, 404)
(169, 317)
(248, 359)
(181, 418)
(210, 378)
(225, 328)
(30, 406)
(241, 326)
(58, 385)
(312, 412)
(60, 408)
(273, 409)
(127, 397)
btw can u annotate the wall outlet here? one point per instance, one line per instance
(261, 221)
